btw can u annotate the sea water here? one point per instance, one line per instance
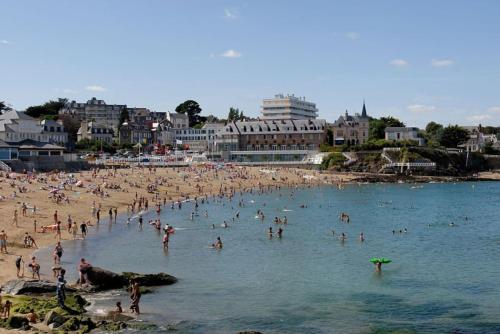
(444, 276)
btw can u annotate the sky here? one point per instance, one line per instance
(419, 61)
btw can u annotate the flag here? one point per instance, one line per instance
(178, 142)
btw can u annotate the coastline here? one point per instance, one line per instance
(176, 184)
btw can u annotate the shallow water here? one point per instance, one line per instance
(442, 279)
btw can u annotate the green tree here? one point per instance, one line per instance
(233, 114)
(377, 126)
(433, 133)
(329, 137)
(4, 107)
(193, 110)
(48, 108)
(454, 135)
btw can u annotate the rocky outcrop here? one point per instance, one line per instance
(102, 279)
(150, 279)
(22, 287)
(55, 319)
(16, 322)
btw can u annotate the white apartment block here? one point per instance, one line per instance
(288, 107)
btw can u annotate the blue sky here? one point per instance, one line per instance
(416, 60)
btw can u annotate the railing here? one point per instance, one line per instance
(410, 164)
(4, 167)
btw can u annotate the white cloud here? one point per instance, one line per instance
(230, 14)
(494, 109)
(353, 35)
(231, 54)
(478, 118)
(95, 88)
(420, 108)
(69, 91)
(442, 62)
(4, 41)
(399, 63)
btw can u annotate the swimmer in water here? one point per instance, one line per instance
(218, 243)
(280, 232)
(270, 232)
(361, 237)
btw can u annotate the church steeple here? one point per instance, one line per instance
(363, 113)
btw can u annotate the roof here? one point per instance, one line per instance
(34, 144)
(400, 129)
(276, 126)
(14, 114)
(4, 144)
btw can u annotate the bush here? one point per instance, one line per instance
(94, 145)
(333, 160)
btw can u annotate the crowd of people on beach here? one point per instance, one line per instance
(101, 186)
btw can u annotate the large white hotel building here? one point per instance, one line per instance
(288, 107)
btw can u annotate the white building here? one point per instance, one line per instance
(16, 126)
(178, 121)
(288, 107)
(403, 133)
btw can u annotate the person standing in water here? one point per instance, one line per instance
(135, 297)
(270, 233)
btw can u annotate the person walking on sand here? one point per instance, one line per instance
(3, 242)
(58, 231)
(15, 219)
(19, 263)
(74, 230)
(35, 268)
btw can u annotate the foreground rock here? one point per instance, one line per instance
(22, 287)
(102, 279)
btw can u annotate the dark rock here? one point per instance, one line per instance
(150, 279)
(72, 324)
(104, 279)
(22, 287)
(52, 317)
(16, 321)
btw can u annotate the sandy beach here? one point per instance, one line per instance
(77, 193)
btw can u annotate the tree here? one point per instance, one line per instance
(4, 107)
(48, 108)
(433, 128)
(193, 110)
(454, 135)
(377, 126)
(235, 115)
(71, 125)
(433, 133)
